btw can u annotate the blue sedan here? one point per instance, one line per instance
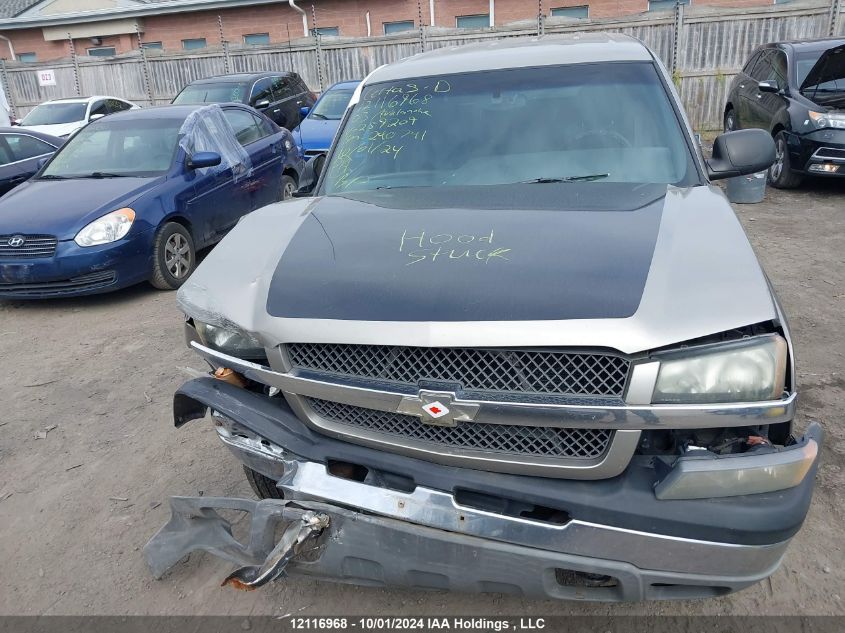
(316, 131)
(132, 198)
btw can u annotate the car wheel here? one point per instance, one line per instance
(263, 487)
(288, 187)
(780, 173)
(174, 258)
(730, 120)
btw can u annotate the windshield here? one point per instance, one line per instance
(224, 92)
(332, 105)
(835, 81)
(117, 148)
(55, 113)
(608, 122)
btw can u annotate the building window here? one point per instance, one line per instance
(582, 12)
(664, 5)
(331, 31)
(257, 39)
(480, 21)
(152, 46)
(782, 1)
(102, 51)
(194, 43)
(398, 27)
(27, 57)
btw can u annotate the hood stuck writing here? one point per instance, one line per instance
(448, 246)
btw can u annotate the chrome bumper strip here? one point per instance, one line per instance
(432, 508)
(615, 417)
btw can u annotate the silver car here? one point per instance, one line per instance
(510, 339)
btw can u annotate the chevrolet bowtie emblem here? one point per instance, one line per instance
(437, 408)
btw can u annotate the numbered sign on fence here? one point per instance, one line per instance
(46, 77)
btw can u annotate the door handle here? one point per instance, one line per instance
(742, 85)
(276, 110)
(759, 96)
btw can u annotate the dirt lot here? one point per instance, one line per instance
(77, 505)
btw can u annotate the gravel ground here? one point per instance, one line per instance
(97, 375)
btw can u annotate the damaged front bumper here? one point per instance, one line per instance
(396, 521)
(425, 539)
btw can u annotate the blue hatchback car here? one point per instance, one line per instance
(316, 131)
(132, 197)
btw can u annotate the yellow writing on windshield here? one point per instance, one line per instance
(386, 122)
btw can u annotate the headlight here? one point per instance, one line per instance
(109, 228)
(750, 370)
(229, 341)
(827, 119)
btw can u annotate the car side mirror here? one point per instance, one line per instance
(304, 110)
(261, 104)
(310, 176)
(94, 117)
(41, 162)
(768, 86)
(739, 153)
(203, 159)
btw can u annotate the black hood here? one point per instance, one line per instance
(829, 67)
(525, 252)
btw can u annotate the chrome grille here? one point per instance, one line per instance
(477, 370)
(33, 246)
(496, 438)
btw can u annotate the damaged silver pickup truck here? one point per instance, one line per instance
(509, 339)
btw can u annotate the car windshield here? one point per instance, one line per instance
(332, 105)
(609, 122)
(117, 147)
(804, 63)
(224, 92)
(55, 114)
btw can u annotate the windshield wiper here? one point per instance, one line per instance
(52, 177)
(102, 174)
(317, 115)
(584, 178)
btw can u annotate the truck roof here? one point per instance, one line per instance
(536, 51)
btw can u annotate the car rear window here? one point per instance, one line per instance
(223, 92)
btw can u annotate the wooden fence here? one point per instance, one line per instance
(703, 46)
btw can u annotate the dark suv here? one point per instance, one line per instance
(795, 91)
(280, 96)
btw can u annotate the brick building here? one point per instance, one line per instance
(42, 30)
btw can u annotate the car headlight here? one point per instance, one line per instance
(109, 228)
(827, 119)
(750, 370)
(229, 341)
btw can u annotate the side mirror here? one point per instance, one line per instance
(261, 104)
(739, 153)
(203, 159)
(304, 110)
(41, 162)
(94, 117)
(768, 86)
(310, 176)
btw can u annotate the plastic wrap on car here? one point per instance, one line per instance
(207, 130)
